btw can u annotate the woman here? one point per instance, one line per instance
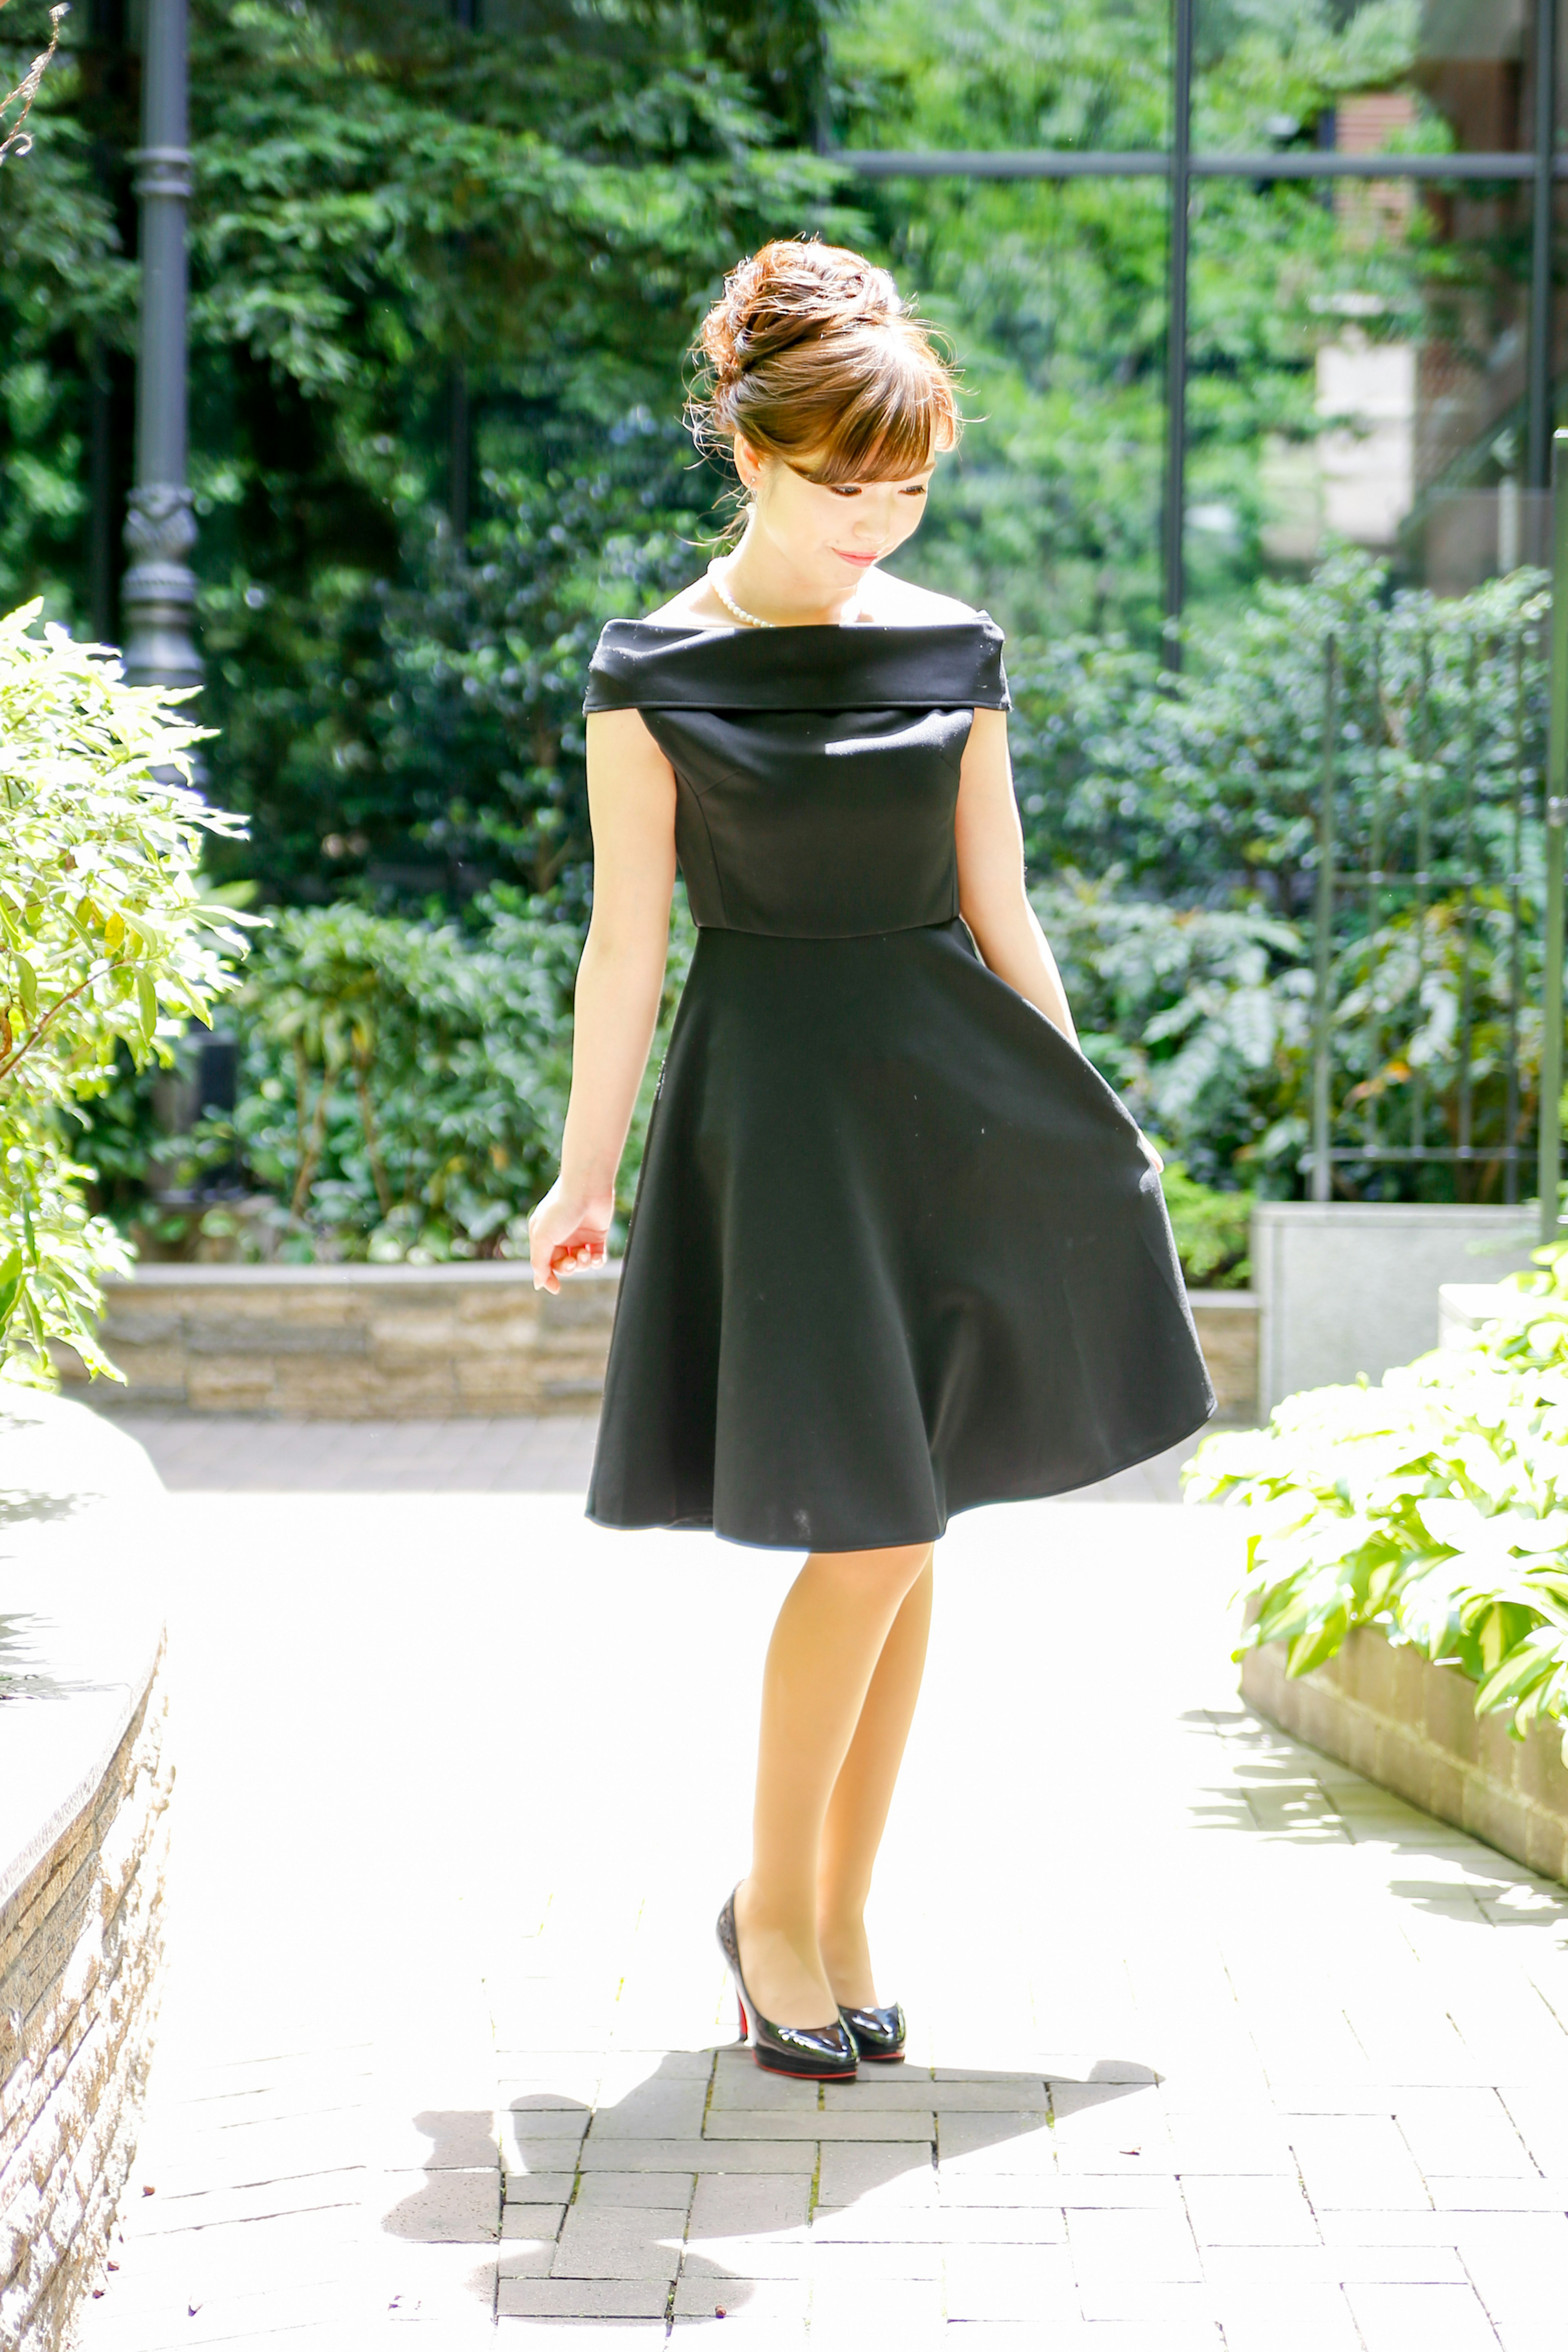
(897, 1250)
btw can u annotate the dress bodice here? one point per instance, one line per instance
(816, 769)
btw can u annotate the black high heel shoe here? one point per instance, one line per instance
(878, 2033)
(824, 2054)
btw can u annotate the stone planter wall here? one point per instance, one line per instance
(81, 1947)
(1387, 1711)
(1227, 1334)
(357, 1342)
(401, 1343)
(84, 1785)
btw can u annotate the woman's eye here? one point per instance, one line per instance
(845, 489)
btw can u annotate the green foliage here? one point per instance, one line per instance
(386, 207)
(404, 1082)
(1211, 779)
(105, 943)
(1199, 1016)
(1213, 1230)
(66, 293)
(485, 657)
(1435, 1505)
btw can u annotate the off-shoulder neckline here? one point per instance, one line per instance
(669, 664)
(806, 628)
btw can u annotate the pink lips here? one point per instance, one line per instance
(846, 558)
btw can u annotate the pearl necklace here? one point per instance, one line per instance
(751, 620)
(729, 604)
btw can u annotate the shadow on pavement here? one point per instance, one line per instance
(608, 2208)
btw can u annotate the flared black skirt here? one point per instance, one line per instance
(897, 1250)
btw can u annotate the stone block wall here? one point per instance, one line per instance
(399, 1342)
(357, 1342)
(1228, 1333)
(1388, 1712)
(80, 1943)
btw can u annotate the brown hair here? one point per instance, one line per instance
(812, 357)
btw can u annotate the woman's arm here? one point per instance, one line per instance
(991, 892)
(631, 803)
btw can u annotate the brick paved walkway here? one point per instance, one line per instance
(1215, 2044)
(239, 1453)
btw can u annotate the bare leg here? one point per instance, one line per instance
(830, 1633)
(857, 1809)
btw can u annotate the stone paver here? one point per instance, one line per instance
(246, 1454)
(249, 1454)
(1213, 2044)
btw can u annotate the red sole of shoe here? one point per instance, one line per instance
(795, 2075)
(881, 2057)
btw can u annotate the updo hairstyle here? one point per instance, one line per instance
(810, 355)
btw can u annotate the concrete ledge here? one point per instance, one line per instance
(428, 1343)
(84, 1783)
(1350, 1287)
(1386, 1710)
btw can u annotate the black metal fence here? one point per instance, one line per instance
(1438, 946)
(1429, 904)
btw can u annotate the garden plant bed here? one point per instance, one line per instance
(1386, 1710)
(406, 1342)
(1406, 1540)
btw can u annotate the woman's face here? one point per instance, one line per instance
(828, 534)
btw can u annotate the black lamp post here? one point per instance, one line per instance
(158, 592)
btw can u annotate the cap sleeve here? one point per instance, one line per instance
(630, 670)
(991, 676)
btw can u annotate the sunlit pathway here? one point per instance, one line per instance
(1213, 2044)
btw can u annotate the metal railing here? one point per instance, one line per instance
(1433, 1028)
(1550, 1166)
(1470, 823)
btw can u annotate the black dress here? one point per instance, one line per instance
(897, 1247)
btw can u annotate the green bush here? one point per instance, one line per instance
(105, 944)
(404, 1083)
(1208, 780)
(1213, 1230)
(1434, 1505)
(1200, 1016)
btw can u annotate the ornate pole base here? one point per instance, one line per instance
(158, 596)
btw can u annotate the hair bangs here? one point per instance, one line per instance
(898, 420)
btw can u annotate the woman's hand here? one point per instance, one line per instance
(567, 1234)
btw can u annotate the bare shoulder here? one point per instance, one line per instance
(900, 603)
(695, 605)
